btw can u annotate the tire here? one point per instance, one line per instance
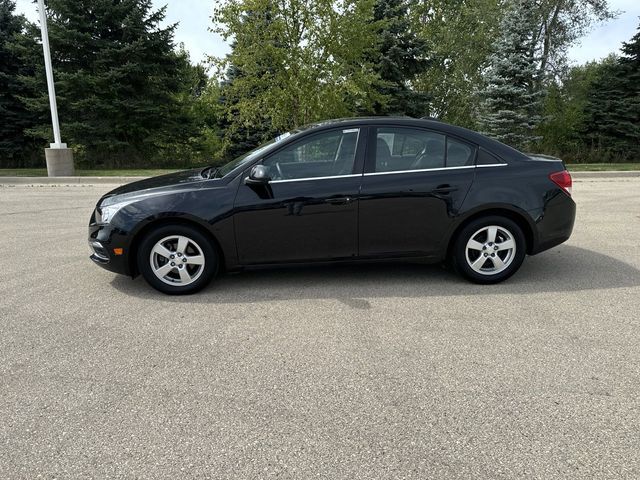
(486, 260)
(177, 259)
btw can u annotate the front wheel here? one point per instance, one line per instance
(489, 250)
(177, 259)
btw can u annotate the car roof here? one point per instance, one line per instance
(494, 146)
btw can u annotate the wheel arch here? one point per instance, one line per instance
(164, 221)
(519, 217)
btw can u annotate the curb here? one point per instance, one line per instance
(123, 180)
(67, 180)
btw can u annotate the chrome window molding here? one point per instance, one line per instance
(466, 167)
(315, 178)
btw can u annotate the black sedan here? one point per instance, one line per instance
(344, 190)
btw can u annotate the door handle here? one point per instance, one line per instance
(444, 189)
(339, 200)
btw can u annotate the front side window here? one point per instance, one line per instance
(325, 154)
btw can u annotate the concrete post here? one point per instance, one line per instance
(59, 162)
(59, 158)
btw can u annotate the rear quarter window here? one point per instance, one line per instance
(486, 158)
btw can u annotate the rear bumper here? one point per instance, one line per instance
(554, 223)
(103, 239)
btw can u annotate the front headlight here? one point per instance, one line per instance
(104, 214)
(107, 213)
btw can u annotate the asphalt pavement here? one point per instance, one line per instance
(385, 371)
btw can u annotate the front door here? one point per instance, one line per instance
(309, 209)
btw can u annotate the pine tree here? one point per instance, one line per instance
(564, 111)
(14, 118)
(612, 124)
(248, 77)
(117, 79)
(401, 55)
(511, 101)
(240, 137)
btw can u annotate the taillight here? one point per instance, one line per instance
(562, 179)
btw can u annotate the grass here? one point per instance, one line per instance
(42, 172)
(602, 167)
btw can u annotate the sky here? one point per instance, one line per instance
(608, 37)
(194, 20)
(192, 16)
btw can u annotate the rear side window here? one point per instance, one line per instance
(400, 149)
(486, 158)
(459, 154)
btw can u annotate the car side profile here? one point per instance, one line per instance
(361, 189)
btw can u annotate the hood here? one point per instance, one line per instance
(188, 179)
(168, 180)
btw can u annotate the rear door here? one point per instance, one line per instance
(414, 184)
(309, 209)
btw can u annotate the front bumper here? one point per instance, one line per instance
(105, 242)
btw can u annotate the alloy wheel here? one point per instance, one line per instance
(177, 260)
(490, 250)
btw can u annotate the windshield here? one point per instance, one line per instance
(248, 157)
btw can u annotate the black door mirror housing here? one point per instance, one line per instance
(259, 175)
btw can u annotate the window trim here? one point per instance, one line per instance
(306, 179)
(464, 167)
(488, 165)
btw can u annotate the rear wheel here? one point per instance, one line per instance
(489, 250)
(177, 259)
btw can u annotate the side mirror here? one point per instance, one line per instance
(259, 175)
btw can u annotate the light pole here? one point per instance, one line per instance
(59, 158)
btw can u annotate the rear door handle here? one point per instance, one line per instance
(444, 189)
(339, 200)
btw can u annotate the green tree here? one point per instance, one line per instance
(400, 56)
(14, 118)
(564, 111)
(194, 139)
(511, 101)
(208, 111)
(295, 61)
(118, 78)
(461, 35)
(237, 87)
(612, 112)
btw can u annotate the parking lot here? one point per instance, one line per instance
(384, 371)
